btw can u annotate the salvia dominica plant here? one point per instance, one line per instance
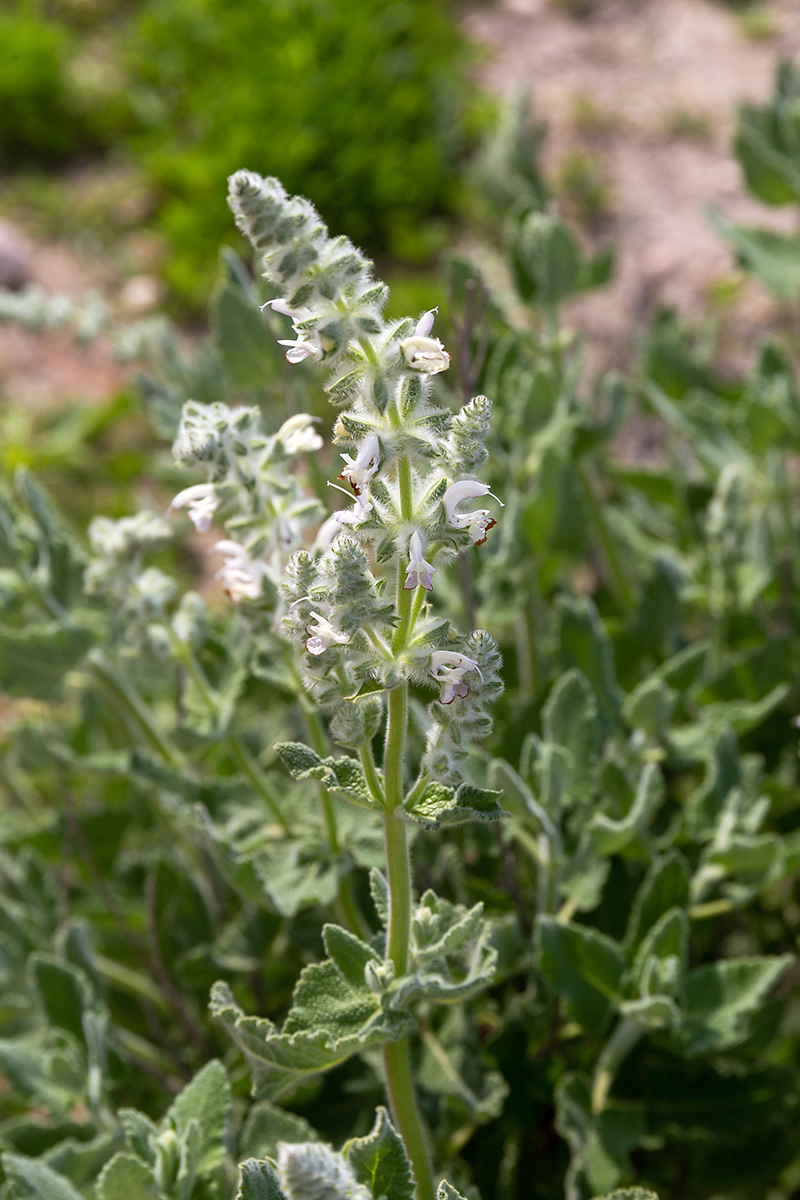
(546, 959)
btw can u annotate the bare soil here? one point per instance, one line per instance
(646, 92)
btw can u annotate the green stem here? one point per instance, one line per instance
(617, 581)
(616, 1049)
(371, 774)
(403, 1103)
(399, 1085)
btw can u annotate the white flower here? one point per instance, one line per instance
(330, 529)
(355, 515)
(478, 522)
(241, 576)
(358, 471)
(202, 501)
(321, 634)
(425, 354)
(449, 668)
(281, 305)
(425, 323)
(419, 571)
(299, 349)
(298, 435)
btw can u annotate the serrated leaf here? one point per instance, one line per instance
(720, 998)
(140, 1133)
(379, 1161)
(584, 967)
(343, 775)
(258, 1181)
(329, 1021)
(127, 1178)
(440, 806)
(31, 1179)
(446, 1191)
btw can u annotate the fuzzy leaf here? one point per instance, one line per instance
(329, 1021)
(720, 998)
(258, 1181)
(585, 967)
(266, 1125)
(600, 1144)
(440, 805)
(127, 1178)
(349, 954)
(611, 836)
(207, 1100)
(665, 886)
(343, 775)
(31, 1179)
(585, 645)
(379, 1161)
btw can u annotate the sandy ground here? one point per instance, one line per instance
(649, 89)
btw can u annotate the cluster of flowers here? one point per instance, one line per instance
(408, 468)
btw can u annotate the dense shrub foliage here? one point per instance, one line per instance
(597, 984)
(363, 107)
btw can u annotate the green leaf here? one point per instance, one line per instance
(665, 886)
(299, 872)
(31, 1179)
(349, 954)
(343, 775)
(446, 1191)
(127, 1178)
(329, 1021)
(599, 1144)
(439, 806)
(34, 660)
(266, 1125)
(584, 645)
(245, 344)
(65, 992)
(570, 720)
(720, 999)
(258, 1181)
(773, 257)
(379, 1161)
(611, 836)
(584, 967)
(207, 1100)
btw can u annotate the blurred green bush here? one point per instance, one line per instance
(362, 107)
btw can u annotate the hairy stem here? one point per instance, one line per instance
(399, 1085)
